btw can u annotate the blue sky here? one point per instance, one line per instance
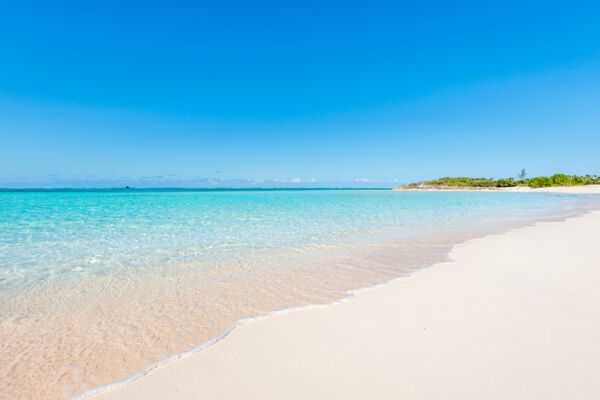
(304, 94)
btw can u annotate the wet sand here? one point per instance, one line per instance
(57, 343)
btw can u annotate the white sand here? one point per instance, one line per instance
(588, 189)
(516, 316)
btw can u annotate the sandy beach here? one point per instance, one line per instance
(587, 189)
(512, 316)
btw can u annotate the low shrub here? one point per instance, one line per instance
(560, 180)
(506, 183)
(540, 181)
(578, 180)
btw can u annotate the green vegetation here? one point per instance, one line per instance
(561, 180)
(459, 182)
(537, 182)
(540, 181)
(510, 182)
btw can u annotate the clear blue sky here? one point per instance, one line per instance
(295, 94)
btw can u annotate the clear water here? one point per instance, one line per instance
(49, 236)
(96, 285)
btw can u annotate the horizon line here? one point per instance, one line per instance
(120, 188)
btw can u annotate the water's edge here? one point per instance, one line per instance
(351, 294)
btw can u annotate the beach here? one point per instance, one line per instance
(511, 316)
(587, 189)
(99, 287)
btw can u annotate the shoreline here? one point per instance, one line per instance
(583, 189)
(132, 387)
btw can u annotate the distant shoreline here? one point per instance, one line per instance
(583, 189)
(469, 183)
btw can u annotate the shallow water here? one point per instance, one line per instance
(97, 285)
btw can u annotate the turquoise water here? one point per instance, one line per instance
(53, 235)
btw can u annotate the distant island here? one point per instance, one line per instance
(491, 183)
